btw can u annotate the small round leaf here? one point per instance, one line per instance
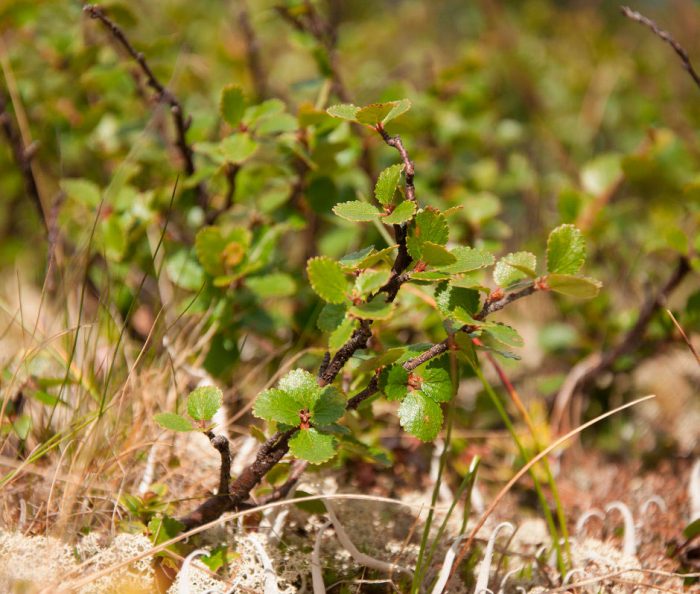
(203, 402)
(173, 422)
(313, 446)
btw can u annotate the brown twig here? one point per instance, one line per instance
(357, 341)
(597, 364)
(221, 445)
(269, 454)
(491, 306)
(408, 168)
(665, 36)
(182, 123)
(325, 32)
(252, 52)
(23, 158)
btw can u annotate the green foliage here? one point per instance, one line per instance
(387, 183)
(356, 211)
(376, 309)
(401, 213)
(298, 401)
(371, 115)
(173, 422)
(574, 286)
(566, 250)
(420, 416)
(203, 402)
(313, 446)
(327, 279)
(232, 105)
(514, 267)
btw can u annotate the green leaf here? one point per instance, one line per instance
(386, 184)
(400, 107)
(374, 113)
(164, 529)
(209, 245)
(184, 271)
(574, 286)
(314, 506)
(436, 382)
(276, 284)
(327, 279)
(430, 276)
(276, 405)
(203, 402)
(385, 255)
(470, 281)
(393, 381)
(371, 280)
(83, 191)
(356, 211)
(467, 260)
(313, 446)
(277, 123)
(266, 109)
(345, 111)
(352, 259)
(420, 416)
(431, 225)
(692, 530)
(377, 309)
(232, 105)
(451, 299)
(329, 407)
(436, 255)
(217, 558)
(514, 267)
(300, 385)
(341, 334)
(566, 250)
(237, 148)
(173, 422)
(331, 316)
(504, 333)
(401, 214)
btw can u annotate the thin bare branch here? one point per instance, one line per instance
(664, 35)
(491, 306)
(252, 51)
(181, 122)
(23, 157)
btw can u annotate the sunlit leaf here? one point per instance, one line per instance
(313, 446)
(566, 250)
(327, 279)
(420, 416)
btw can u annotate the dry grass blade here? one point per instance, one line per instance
(518, 475)
(683, 335)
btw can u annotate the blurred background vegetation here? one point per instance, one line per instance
(526, 114)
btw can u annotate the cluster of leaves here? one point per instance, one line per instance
(354, 289)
